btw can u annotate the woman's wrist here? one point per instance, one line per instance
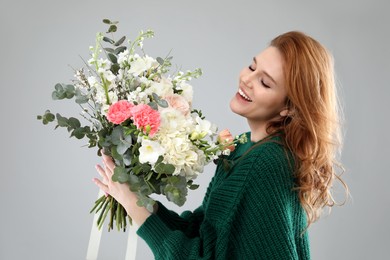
(137, 213)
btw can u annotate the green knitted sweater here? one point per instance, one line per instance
(249, 212)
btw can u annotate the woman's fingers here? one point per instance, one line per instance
(101, 185)
(102, 173)
(109, 164)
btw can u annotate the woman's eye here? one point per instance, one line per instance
(250, 67)
(265, 85)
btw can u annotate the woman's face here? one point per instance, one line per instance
(261, 93)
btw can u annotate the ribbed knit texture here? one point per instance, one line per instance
(249, 212)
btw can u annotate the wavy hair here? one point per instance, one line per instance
(312, 127)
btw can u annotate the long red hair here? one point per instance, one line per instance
(312, 127)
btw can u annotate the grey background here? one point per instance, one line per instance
(45, 188)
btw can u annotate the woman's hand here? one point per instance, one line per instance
(120, 191)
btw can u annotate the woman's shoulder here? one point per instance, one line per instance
(268, 156)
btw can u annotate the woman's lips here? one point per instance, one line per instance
(242, 94)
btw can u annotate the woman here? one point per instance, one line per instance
(277, 183)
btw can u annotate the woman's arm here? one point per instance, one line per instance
(188, 222)
(120, 192)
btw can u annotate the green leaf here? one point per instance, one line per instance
(120, 41)
(49, 116)
(59, 87)
(120, 175)
(79, 133)
(82, 99)
(164, 168)
(126, 159)
(106, 39)
(117, 135)
(160, 60)
(107, 21)
(74, 122)
(115, 154)
(120, 49)
(112, 28)
(122, 148)
(109, 49)
(193, 186)
(153, 105)
(62, 121)
(112, 57)
(169, 169)
(162, 103)
(115, 68)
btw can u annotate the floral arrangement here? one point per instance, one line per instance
(143, 118)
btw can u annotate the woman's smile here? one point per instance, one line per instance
(244, 95)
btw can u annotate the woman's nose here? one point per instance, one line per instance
(247, 79)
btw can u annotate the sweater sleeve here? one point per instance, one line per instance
(188, 222)
(249, 215)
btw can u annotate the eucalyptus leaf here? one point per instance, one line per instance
(115, 68)
(153, 105)
(117, 135)
(122, 148)
(120, 175)
(112, 28)
(115, 154)
(159, 167)
(79, 133)
(120, 49)
(160, 60)
(49, 116)
(193, 186)
(82, 99)
(106, 39)
(74, 122)
(109, 49)
(112, 57)
(59, 87)
(162, 103)
(120, 41)
(62, 121)
(127, 159)
(169, 169)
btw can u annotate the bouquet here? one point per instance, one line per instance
(143, 118)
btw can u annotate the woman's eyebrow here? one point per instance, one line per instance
(266, 73)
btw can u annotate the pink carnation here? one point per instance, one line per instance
(146, 118)
(119, 112)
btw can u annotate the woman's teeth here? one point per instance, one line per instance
(242, 94)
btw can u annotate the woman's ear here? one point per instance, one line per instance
(284, 112)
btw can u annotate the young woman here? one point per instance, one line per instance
(277, 183)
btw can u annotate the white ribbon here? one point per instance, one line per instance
(96, 234)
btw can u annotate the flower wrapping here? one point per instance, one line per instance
(143, 118)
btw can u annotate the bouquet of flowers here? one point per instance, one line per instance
(143, 118)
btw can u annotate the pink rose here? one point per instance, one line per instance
(226, 138)
(179, 103)
(146, 118)
(119, 112)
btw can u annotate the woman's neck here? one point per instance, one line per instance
(258, 130)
